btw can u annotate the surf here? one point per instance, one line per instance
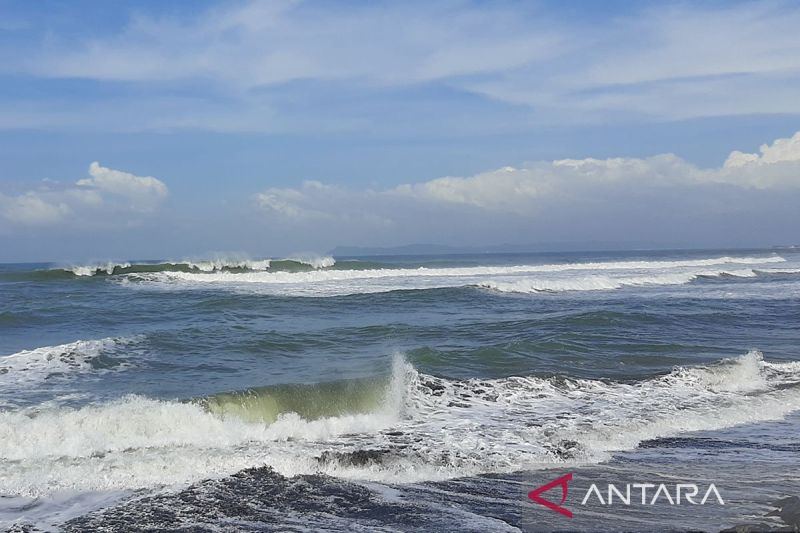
(521, 278)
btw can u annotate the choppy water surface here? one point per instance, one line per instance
(402, 380)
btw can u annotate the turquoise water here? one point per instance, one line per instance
(384, 371)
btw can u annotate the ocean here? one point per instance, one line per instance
(400, 393)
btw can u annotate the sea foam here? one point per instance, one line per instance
(39, 364)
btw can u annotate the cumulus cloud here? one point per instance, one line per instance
(779, 151)
(105, 191)
(143, 193)
(523, 191)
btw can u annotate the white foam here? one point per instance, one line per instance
(598, 283)
(432, 428)
(780, 270)
(41, 363)
(45, 514)
(519, 423)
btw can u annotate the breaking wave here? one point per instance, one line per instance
(226, 264)
(219, 264)
(558, 277)
(310, 402)
(314, 261)
(408, 427)
(309, 263)
(101, 268)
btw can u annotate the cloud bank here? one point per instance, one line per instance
(523, 190)
(660, 198)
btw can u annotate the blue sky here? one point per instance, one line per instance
(277, 127)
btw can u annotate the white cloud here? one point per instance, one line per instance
(779, 151)
(523, 191)
(256, 43)
(107, 191)
(776, 166)
(683, 42)
(143, 193)
(668, 62)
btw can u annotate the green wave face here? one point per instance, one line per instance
(322, 400)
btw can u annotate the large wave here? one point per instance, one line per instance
(408, 427)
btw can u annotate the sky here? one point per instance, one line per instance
(170, 130)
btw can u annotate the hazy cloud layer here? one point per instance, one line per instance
(105, 192)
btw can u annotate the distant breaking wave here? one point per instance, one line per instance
(558, 277)
(313, 260)
(321, 276)
(410, 426)
(221, 264)
(210, 265)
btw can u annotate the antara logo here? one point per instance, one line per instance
(562, 482)
(633, 494)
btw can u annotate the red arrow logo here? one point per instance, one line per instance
(560, 482)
